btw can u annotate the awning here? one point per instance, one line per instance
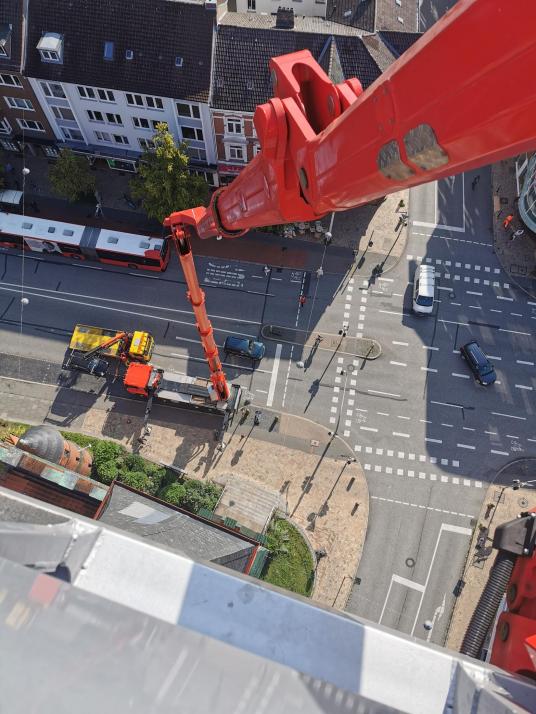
(50, 41)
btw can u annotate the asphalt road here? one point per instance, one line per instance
(428, 437)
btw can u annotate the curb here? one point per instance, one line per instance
(372, 349)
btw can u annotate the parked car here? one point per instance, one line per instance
(243, 347)
(479, 364)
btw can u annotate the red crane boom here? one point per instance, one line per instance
(462, 96)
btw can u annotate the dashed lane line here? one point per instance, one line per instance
(416, 505)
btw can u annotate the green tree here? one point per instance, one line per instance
(174, 494)
(71, 176)
(105, 472)
(163, 183)
(200, 495)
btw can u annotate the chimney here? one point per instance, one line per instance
(285, 18)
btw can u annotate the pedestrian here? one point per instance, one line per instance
(303, 300)
(98, 210)
(507, 221)
(475, 181)
(266, 270)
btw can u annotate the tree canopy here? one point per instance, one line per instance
(164, 184)
(71, 176)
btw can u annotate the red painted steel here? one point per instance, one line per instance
(470, 78)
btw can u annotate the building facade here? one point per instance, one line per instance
(308, 8)
(104, 85)
(22, 120)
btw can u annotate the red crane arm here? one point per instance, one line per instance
(462, 96)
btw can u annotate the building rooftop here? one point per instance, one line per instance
(156, 33)
(397, 15)
(310, 25)
(355, 13)
(241, 78)
(11, 34)
(146, 517)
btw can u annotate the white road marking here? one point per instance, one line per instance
(428, 347)
(390, 312)
(499, 453)
(472, 292)
(442, 287)
(445, 404)
(428, 369)
(398, 578)
(262, 391)
(403, 344)
(434, 441)
(385, 394)
(368, 428)
(424, 224)
(510, 416)
(438, 614)
(514, 332)
(504, 297)
(466, 446)
(520, 361)
(499, 359)
(398, 364)
(273, 378)
(398, 433)
(524, 386)
(444, 527)
(461, 376)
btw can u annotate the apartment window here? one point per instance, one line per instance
(5, 127)
(190, 132)
(141, 123)
(30, 124)
(188, 110)
(197, 154)
(16, 103)
(234, 152)
(3, 52)
(72, 134)
(10, 80)
(94, 116)
(53, 89)
(154, 103)
(50, 56)
(156, 122)
(256, 149)
(102, 136)
(106, 95)
(252, 5)
(113, 118)
(233, 126)
(146, 144)
(129, 54)
(178, 61)
(63, 113)
(120, 139)
(86, 92)
(109, 51)
(135, 100)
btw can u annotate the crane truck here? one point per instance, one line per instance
(463, 96)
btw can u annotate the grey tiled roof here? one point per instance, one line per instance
(147, 518)
(301, 24)
(388, 12)
(11, 14)
(241, 77)
(399, 42)
(379, 51)
(155, 30)
(357, 13)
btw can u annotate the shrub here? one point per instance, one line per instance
(138, 480)
(200, 495)
(81, 439)
(174, 494)
(104, 451)
(134, 462)
(105, 472)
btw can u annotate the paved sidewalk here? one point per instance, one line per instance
(323, 494)
(500, 505)
(517, 256)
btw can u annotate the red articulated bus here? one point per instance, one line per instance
(71, 240)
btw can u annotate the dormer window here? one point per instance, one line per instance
(5, 41)
(50, 47)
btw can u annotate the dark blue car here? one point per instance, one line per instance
(243, 347)
(478, 363)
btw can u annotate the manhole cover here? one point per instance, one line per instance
(523, 502)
